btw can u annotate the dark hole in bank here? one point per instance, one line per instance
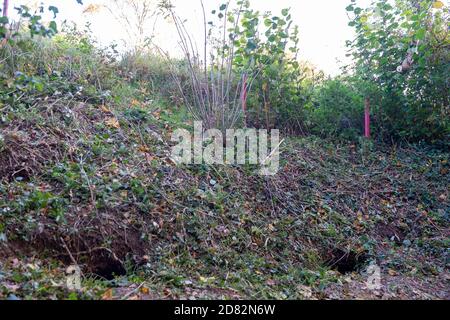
(346, 261)
(107, 267)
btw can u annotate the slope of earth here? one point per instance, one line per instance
(95, 186)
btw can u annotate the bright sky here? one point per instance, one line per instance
(323, 25)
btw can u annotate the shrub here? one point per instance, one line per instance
(68, 64)
(337, 111)
(403, 49)
(267, 46)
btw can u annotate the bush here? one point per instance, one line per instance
(69, 64)
(403, 50)
(337, 111)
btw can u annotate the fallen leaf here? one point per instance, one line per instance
(105, 109)
(107, 295)
(144, 149)
(145, 290)
(113, 123)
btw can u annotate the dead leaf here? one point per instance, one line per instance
(113, 123)
(392, 272)
(105, 109)
(145, 290)
(144, 149)
(107, 295)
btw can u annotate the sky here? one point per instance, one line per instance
(323, 25)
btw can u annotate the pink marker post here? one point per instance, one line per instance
(244, 98)
(367, 118)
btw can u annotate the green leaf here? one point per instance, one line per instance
(53, 27)
(251, 45)
(39, 86)
(54, 10)
(420, 35)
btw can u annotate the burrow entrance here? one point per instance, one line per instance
(345, 261)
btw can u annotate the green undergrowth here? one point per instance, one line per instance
(96, 184)
(86, 178)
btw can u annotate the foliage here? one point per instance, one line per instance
(68, 65)
(337, 110)
(36, 26)
(267, 45)
(216, 90)
(85, 175)
(404, 50)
